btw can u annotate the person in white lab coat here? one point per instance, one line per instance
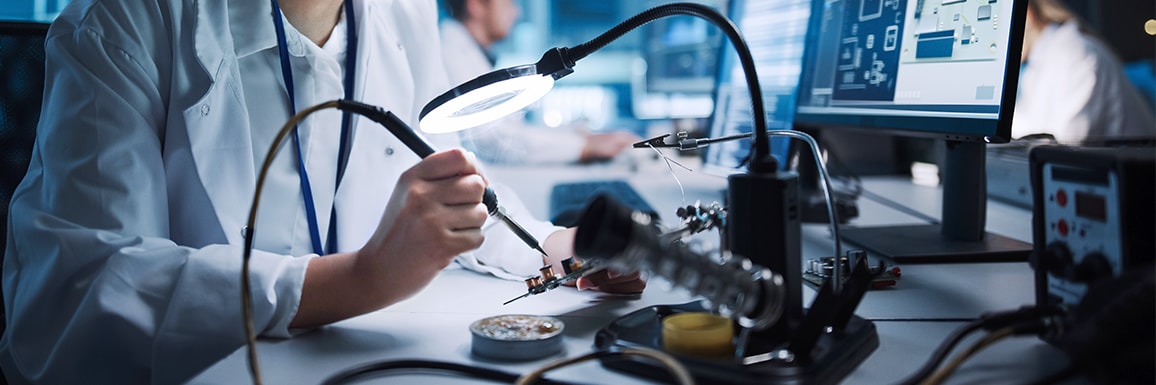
(467, 38)
(1072, 86)
(125, 237)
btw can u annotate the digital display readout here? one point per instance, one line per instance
(1091, 206)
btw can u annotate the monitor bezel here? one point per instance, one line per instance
(945, 128)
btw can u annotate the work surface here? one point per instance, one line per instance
(912, 318)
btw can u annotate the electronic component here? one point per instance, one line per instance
(548, 280)
(937, 44)
(820, 270)
(1093, 217)
(983, 12)
(1092, 226)
(696, 218)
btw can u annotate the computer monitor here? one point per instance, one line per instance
(944, 69)
(677, 74)
(774, 31)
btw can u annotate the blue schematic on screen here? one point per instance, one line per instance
(924, 67)
(868, 53)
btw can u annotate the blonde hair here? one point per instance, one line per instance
(1051, 11)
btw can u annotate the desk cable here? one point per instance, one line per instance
(248, 234)
(680, 374)
(1028, 320)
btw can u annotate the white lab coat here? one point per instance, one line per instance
(124, 246)
(511, 140)
(1074, 88)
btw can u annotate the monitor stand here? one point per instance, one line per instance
(961, 237)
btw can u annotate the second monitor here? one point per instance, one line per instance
(935, 69)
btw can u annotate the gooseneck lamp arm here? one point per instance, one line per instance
(760, 145)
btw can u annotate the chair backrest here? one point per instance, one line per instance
(21, 93)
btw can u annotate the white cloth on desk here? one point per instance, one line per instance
(124, 245)
(510, 140)
(1074, 88)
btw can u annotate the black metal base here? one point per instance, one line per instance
(834, 356)
(926, 244)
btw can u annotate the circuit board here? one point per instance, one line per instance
(868, 49)
(952, 30)
(820, 270)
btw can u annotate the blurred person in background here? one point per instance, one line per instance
(1072, 86)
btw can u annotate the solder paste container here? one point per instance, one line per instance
(517, 337)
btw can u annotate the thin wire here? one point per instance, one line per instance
(987, 340)
(836, 281)
(246, 294)
(672, 174)
(680, 373)
(424, 366)
(668, 159)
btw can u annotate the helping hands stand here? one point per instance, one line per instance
(820, 347)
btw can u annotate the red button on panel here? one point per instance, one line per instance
(1061, 198)
(1062, 227)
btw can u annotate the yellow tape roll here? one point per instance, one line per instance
(698, 334)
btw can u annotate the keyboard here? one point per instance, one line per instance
(568, 200)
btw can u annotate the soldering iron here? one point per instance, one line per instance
(422, 148)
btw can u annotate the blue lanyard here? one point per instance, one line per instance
(346, 124)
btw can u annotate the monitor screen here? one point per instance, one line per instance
(938, 68)
(678, 52)
(677, 74)
(774, 31)
(943, 69)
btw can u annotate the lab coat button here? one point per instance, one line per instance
(388, 151)
(204, 110)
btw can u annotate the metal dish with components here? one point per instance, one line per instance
(517, 337)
